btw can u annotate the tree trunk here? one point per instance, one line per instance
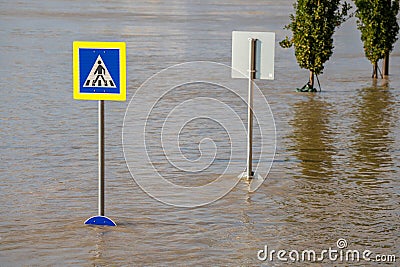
(386, 65)
(386, 58)
(375, 70)
(311, 80)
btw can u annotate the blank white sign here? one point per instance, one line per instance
(265, 52)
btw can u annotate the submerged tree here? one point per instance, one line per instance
(313, 26)
(377, 21)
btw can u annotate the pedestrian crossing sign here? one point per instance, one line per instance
(99, 70)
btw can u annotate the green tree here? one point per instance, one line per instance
(313, 26)
(377, 21)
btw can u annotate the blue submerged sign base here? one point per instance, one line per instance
(100, 220)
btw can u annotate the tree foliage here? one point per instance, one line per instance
(377, 21)
(313, 26)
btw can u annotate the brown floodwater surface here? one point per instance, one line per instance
(335, 173)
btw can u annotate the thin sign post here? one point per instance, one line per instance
(252, 58)
(101, 158)
(252, 71)
(99, 73)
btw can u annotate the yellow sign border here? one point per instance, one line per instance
(122, 67)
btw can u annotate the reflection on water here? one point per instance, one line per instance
(336, 173)
(372, 172)
(312, 142)
(343, 184)
(371, 135)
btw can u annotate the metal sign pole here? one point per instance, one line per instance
(252, 71)
(253, 54)
(101, 158)
(99, 65)
(101, 219)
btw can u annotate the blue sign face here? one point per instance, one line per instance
(99, 71)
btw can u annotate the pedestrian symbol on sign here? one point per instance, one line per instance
(99, 76)
(99, 70)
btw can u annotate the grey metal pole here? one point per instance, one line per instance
(252, 50)
(101, 158)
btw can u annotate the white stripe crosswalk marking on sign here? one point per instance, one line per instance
(99, 76)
